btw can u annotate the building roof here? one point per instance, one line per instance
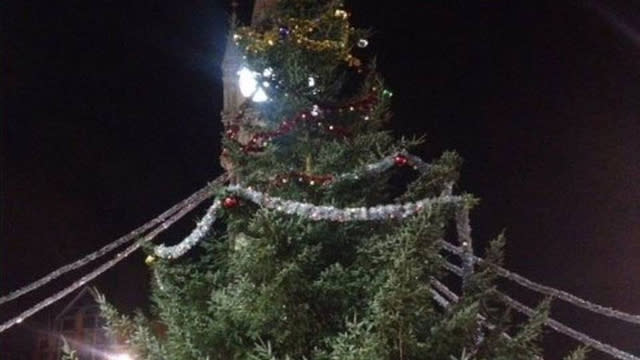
(84, 297)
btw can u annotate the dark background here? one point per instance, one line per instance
(110, 114)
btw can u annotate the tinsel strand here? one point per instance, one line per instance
(375, 168)
(556, 325)
(201, 229)
(332, 213)
(568, 331)
(204, 192)
(552, 292)
(306, 210)
(102, 268)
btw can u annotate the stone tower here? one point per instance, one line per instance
(260, 10)
(236, 113)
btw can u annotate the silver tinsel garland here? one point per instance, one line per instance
(385, 164)
(332, 213)
(203, 226)
(319, 212)
(306, 210)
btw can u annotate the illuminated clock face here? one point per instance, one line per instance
(249, 87)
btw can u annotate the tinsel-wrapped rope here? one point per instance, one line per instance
(106, 266)
(444, 303)
(552, 292)
(568, 331)
(556, 325)
(452, 297)
(463, 228)
(197, 196)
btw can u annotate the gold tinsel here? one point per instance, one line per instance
(257, 42)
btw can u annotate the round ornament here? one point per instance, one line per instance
(150, 260)
(284, 32)
(400, 160)
(230, 202)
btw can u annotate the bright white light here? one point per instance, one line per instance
(123, 356)
(315, 111)
(247, 82)
(312, 81)
(267, 72)
(249, 87)
(260, 96)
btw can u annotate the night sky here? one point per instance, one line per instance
(110, 114)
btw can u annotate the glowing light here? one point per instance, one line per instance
(260, 96)
(312, 81)
(123, 356)
(247, 82)
(315, 111)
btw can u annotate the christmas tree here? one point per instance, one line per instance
(324, 253)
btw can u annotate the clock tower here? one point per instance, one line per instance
(237, 114)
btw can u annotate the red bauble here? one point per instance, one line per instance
(400, 160)
(232, 132)
(230, 202)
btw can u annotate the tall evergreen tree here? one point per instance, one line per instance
(284, 282)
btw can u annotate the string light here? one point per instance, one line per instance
(341, 14)
(257, 143)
